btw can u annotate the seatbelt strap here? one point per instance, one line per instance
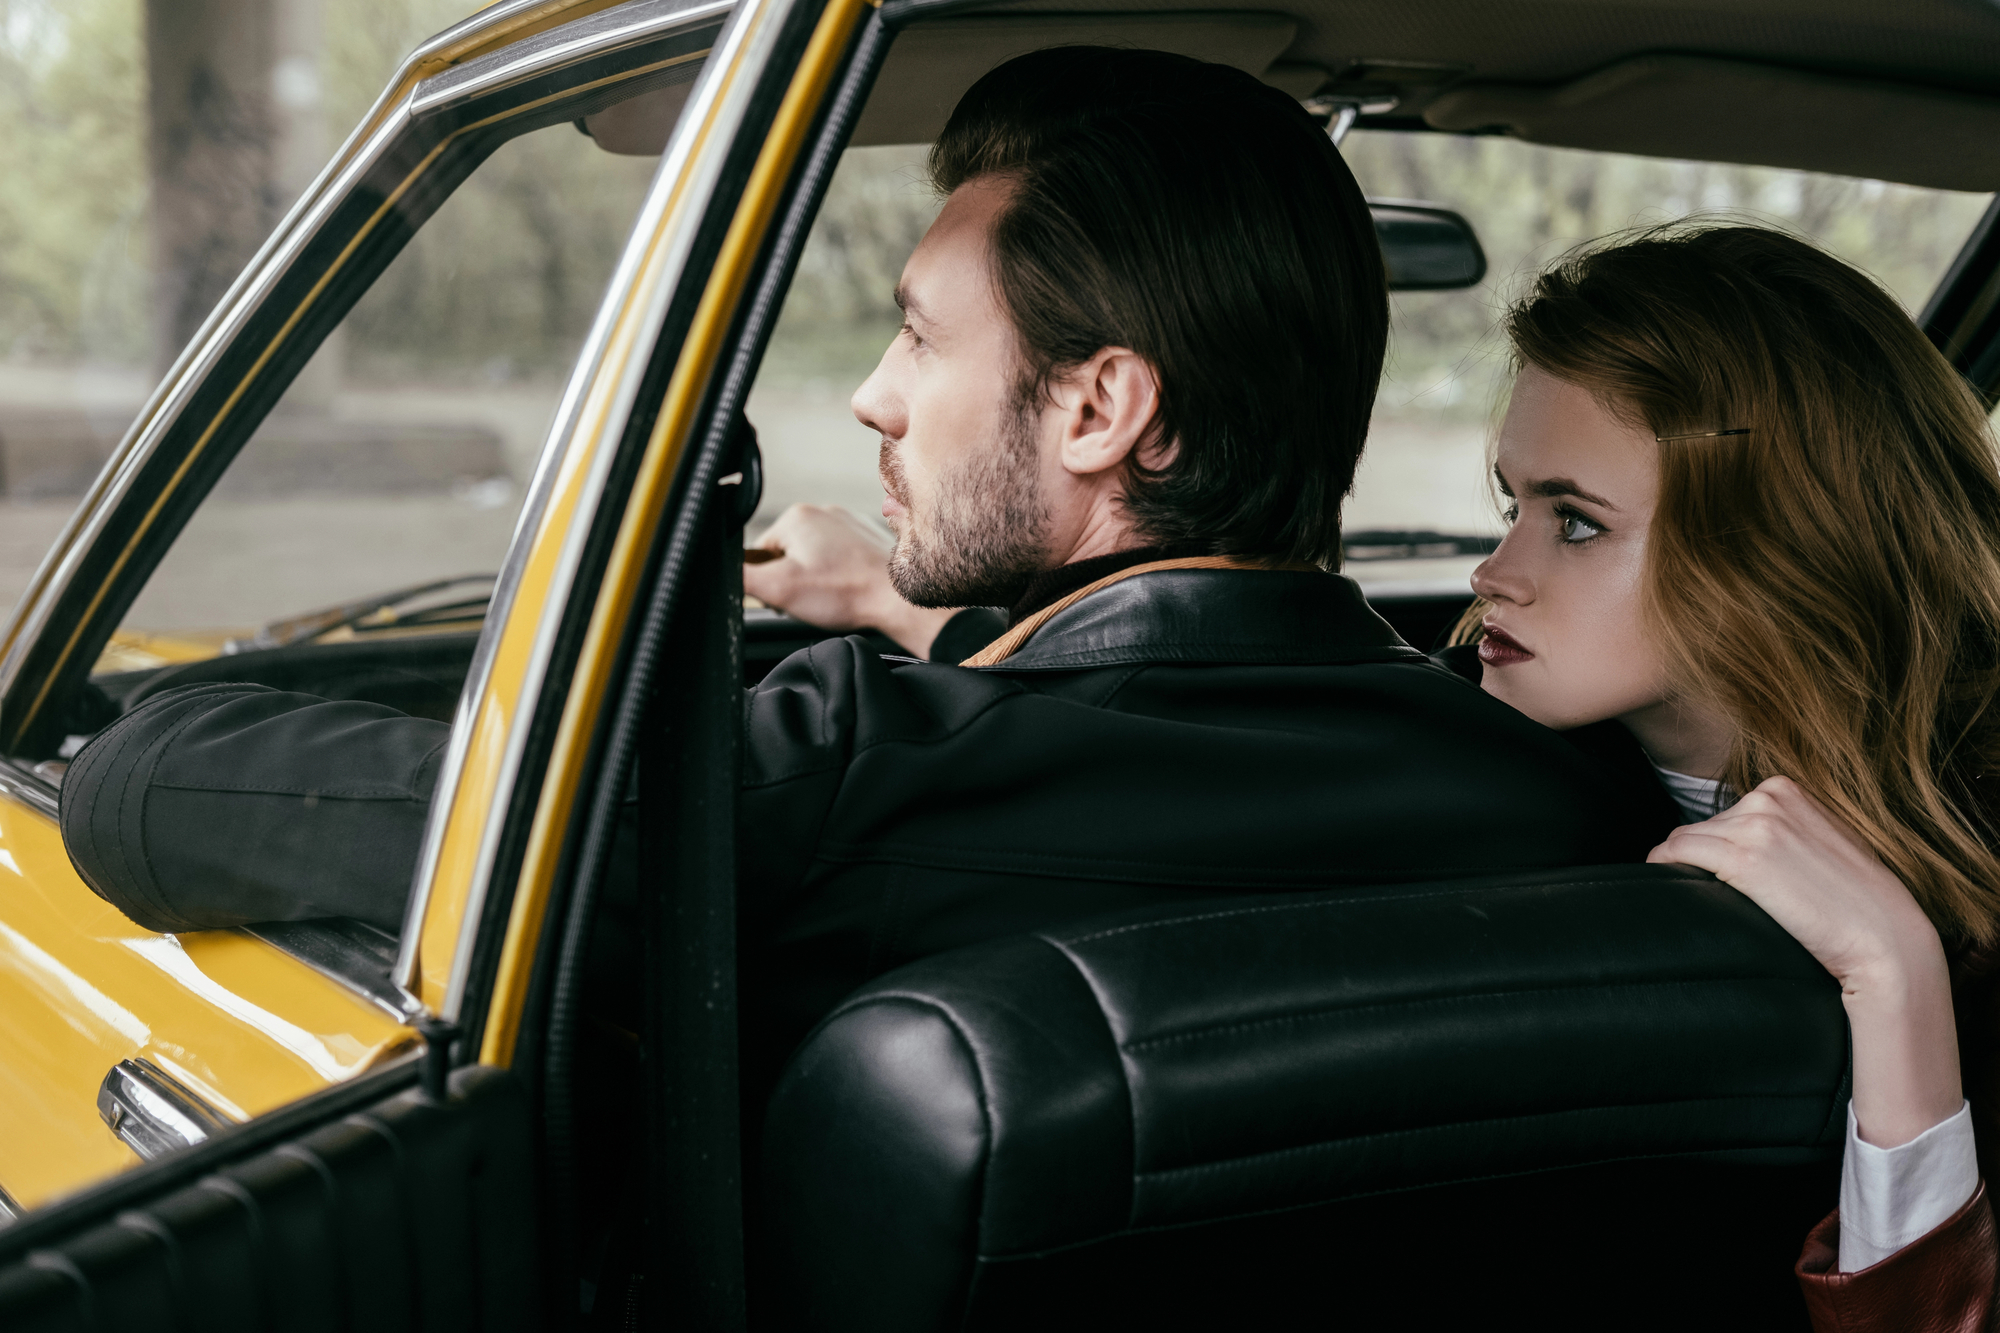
(1010, 643)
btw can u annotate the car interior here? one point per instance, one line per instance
(1586, 1097)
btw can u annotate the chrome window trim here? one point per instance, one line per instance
(675, 161)
(153, 1113)
(599, 34)
(273, 262)
(10, 1211)
(352, 953)
(25, 787)
(713, 118)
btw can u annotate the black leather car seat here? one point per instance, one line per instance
(1606, 1098)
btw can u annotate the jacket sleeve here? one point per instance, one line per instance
(798, 739)
(1943, 1282)
(223, 805)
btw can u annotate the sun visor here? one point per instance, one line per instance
(935, 61)
(1735, 111)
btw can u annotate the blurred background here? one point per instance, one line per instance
(148, 146)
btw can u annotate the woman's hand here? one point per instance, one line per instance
(1782, 850)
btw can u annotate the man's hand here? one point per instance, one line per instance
(834, 573)
(1782, 850)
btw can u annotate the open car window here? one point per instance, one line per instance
(839, 315)
(346, 550)
(375, 503)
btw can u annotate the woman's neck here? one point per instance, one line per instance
(1683, 736)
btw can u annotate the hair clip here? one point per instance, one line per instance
(1702, 435)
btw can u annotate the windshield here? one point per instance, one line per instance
(388, 478)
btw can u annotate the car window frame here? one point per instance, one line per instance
(333, 245)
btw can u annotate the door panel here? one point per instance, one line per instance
(408, 1214)
(243, 1022)
(239, 1023)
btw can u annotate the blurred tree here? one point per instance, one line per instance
(72, 183)
(489, 293)
(1530, 203)
(841, 311)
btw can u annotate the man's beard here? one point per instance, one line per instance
(983, 536)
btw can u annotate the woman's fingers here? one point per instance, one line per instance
(1781, 849)
(1704, 849)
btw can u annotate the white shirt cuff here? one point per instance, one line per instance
(1892, 1196)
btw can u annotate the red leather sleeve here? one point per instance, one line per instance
(1942, 1282)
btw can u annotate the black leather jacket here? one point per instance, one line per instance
(1179, 735)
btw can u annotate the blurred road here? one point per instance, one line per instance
(246, 561)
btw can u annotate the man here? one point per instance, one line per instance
(1140, 348)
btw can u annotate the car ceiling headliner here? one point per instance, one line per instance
(1908, 91)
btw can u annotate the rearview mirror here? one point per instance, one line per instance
(1426, 248)
(638, 126)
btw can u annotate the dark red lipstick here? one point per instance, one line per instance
(1499, 648)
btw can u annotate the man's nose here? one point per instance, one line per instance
(875, 406)
(1498, 578)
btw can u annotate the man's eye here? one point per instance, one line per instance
(1576, 528)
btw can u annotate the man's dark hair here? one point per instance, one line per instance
(1191, 213)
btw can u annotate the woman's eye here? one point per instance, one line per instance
(1511, 513)
(1576, 528)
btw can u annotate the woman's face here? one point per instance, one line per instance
(1564, 641)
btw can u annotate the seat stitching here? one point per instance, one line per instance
(1346, 901)
(1124, 1069)
(1393, 1134)
(1329, 1011)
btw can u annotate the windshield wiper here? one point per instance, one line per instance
(379, 612)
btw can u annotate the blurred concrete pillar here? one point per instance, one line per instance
(300, 149)
(236, 132)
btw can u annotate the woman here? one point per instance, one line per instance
(1756, 519)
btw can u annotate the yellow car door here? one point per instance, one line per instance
(121, 1044)
(368, 1190)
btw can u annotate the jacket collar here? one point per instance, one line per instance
(1214, 616)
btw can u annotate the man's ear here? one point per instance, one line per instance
(1108, 410)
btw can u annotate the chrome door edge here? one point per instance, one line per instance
(625, 25)
(690, 168)
(555, 453)
(352, 953)
(153, 1113)
(28, 789)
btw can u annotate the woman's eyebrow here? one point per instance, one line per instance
(1556, 487)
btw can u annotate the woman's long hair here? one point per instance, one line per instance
(1831, 578)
